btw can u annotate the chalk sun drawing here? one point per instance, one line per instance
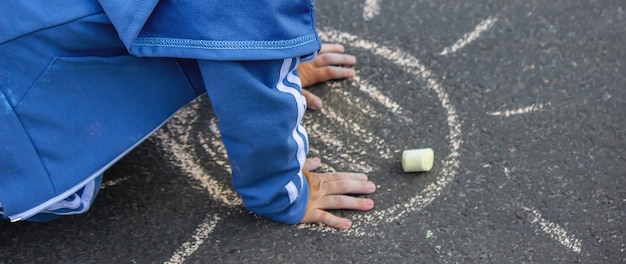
(175, 141)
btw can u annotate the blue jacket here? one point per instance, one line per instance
(82, 82)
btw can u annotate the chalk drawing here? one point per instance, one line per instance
(554, 230)
(471, 36)
(114, 182)
(185, 159)
(200, 235)
(371, 9)
(178, 148)
(375, 94)
(176, 144)
(524, 110)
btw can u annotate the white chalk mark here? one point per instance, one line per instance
(382, 99)
(507, 173)
(202, 232)
(450, 164)
(371, 9)
(213, 154)
(554, 231)
(111, 183)
(331, 141)
(350, 99)
(328, 138)
(524, 110)
(354, 128)
(185, 158)
(215, 146)
(471, 36)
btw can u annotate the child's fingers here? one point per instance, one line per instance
(334, 72)
(348, 187)
(327, 59)
(327, 73)
(338, 176)
(312, 164)
(321, 216)
(329, 64)
(312, 101)
(332, 47)
(327, 191)
(331, 202)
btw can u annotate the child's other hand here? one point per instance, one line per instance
(328, 191)
(329, 64)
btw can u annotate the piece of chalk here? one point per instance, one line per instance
(418, 159)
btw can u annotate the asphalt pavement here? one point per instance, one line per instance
(523, 102)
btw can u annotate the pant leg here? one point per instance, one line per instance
(77, 203)
(73, 102)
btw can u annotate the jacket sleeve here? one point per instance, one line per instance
(215, 29)
(259, 107)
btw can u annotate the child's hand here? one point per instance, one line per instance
(329, 64)
(327, 191)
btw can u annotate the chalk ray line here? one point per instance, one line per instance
(382, 99)
(378, 96)
(330, 140)
(217, 146)
(201, 233)
(114, 182)
(360, 132)
(470, 36)
(371, 9)
(519, 111)
(366, 109)
(554, 230)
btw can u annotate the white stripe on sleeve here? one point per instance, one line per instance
(286, 72)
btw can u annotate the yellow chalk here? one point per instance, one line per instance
(414, 160)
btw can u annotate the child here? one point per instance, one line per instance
(84, 82)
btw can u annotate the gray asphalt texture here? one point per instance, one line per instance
(530, 187)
